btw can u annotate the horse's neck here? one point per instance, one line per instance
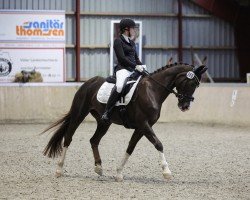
(165, 77)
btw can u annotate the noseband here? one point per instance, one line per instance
(190, 75)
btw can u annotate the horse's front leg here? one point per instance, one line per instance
(132, 143)
(166, 171)
(150, 135)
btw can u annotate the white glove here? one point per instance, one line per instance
(139, 68)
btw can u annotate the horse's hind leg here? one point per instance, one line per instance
(61, 162)
(132, 143)
(67, 140)
(101, 130)
(75, 121)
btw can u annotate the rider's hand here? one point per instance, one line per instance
(139, 68)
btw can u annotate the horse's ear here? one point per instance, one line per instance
(200, 70)
(170, 61)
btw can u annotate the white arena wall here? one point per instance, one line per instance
(214, 103)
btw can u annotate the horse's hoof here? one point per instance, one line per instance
(119, 178)
(167, 175)
(98, 169)
(58, 173)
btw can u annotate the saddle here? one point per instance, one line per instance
(126, 95)
(127, 91)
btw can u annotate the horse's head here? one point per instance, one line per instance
(186, 83)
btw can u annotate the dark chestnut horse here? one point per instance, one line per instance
(143, 112)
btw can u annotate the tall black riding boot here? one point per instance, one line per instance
(114, 96)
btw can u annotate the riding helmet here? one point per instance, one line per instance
(126, 23)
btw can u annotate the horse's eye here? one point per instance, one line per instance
(193, 84)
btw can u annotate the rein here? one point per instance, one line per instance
(178, 95)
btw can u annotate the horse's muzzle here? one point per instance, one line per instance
(185, 106)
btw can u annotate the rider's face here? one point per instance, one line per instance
(132, 33)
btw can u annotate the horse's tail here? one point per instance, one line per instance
(54, 147)
(68, 124)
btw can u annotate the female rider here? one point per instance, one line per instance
(128, 63)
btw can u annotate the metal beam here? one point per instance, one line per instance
(77, 47)
(180, 37)
(157, 47)
(128, 14)
(111, 14)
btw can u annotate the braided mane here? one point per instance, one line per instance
(171, 65)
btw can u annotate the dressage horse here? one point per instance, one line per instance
(143, 111)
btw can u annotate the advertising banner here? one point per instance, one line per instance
(32, 40)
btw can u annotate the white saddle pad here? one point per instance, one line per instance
(105, 90)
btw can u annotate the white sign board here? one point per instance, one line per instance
(36, 26)
(46, 61)
(31, 39)
(115, 33)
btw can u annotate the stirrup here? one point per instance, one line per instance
(105, 117)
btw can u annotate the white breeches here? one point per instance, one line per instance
(121, 76)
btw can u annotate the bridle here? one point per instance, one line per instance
(177, 94)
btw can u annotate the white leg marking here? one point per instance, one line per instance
(98, 170)
(61, 162)
(119, 176)
(165, 170)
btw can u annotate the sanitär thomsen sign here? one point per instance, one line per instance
(41, 28)
(32, 39)
(27, 25)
